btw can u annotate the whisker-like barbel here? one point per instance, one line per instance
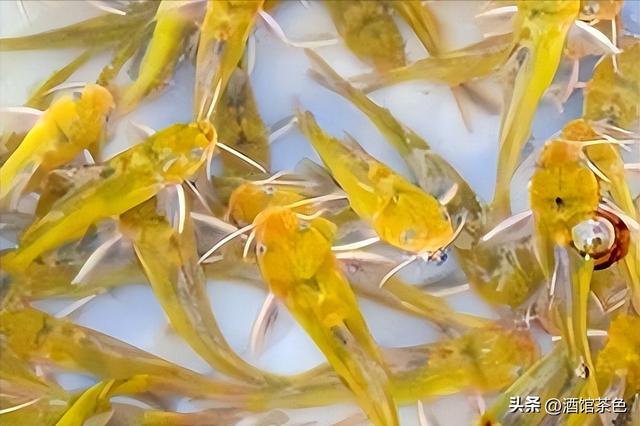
(225, 240)
(241, 156)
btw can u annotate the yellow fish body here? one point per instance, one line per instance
(401, 213)
(63, 131)
(223, 35)
(540, 29)
(130, 178)
(296, 262)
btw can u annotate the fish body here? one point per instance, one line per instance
(169, 258)
(172, 28)
(103, 30)
(128, 179)
(64, 130)
(401, 213)
(540, 28)
(563, 192)
(295, 259)
(223, 36)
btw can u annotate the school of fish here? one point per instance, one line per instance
(562, 275)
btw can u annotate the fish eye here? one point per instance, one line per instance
(269, 190)
(261, 249)
(407, 235)
(559, 202)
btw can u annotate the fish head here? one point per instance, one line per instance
(413, 221)
(249, 199)
(181, 149)
(98, 100)
(599, 9)
(562, 192)
(290, 248)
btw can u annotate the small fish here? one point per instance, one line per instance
(40, 338)
(563, 193)
(369, 31)
(400, 213)
(295, 259)
(540, 31)
(223, 36)
(63, 131)
(483, 360)
(172, 30)
(452, 68)
(432, 172)
(168, 157)
(103, 30)
(170, 260)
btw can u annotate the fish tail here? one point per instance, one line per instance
(358, 362)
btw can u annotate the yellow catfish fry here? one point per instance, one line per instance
(621, 354)
(452, 68)
(170, 260)
(128, 179)
(540, 28)
(562, 193)
(102, 30)
(369, 31)
(172, 30)
(38, 337)
(63, 131)
(296, 261)
(483, 360)
(401, 213)
(223, 35)
(240, 126)
(612, 95)
(432, 172)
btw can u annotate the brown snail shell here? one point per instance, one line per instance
(605, 239)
